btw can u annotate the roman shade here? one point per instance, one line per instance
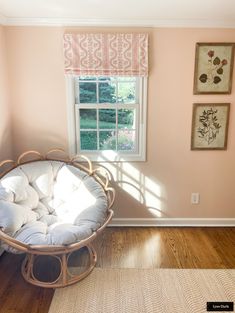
(106, 54)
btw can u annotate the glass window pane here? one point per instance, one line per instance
(107, 92)
(107, 78)
(107, 118)
(107, 140)
(88, 118)
(126, 79)
(88, 140)
(87, 78)
(87, 92)
(127, 92)
(126, 140)
(126, 118)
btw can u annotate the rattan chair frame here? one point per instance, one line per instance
(59, 252)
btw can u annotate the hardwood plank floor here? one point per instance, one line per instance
(126, 248)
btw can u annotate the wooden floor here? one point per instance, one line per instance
(126, 248)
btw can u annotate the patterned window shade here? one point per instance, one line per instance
(106, 54)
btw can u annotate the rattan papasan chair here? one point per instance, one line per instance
(53, 207)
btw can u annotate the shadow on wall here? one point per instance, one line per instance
(34, 140)
(5, 145)
(39, 141)
(137, 194)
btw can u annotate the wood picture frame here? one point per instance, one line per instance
(210, 126)
(213, 68)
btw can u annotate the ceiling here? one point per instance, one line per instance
(162, 13)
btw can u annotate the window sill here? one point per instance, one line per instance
(112, 156)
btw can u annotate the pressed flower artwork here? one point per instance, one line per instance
(213, 68)
(210, 126)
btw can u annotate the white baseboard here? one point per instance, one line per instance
(174, 222)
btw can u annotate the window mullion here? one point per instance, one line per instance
(135, 109)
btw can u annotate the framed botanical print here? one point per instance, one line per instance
(210, 126)
(213, 68)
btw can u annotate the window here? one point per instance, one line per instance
(106, 75)
(107, 117)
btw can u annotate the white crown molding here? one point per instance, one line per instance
(196, 23)
(173, 222)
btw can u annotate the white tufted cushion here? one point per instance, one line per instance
(50, 203)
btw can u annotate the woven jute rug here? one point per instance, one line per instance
(145, 291)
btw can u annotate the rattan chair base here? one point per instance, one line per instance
(59, 252)
(65, 277)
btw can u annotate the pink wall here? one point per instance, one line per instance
(5, 126)
(36, 76)
(161, 186)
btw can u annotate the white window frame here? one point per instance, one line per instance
(108, 155)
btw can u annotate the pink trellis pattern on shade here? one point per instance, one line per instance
(106, 54)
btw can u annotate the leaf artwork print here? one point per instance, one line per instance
(214, 73)
(210, 127)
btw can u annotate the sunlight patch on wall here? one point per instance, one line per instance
(153, 187)
(130, 169)
(155, 212)
(142, 188)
